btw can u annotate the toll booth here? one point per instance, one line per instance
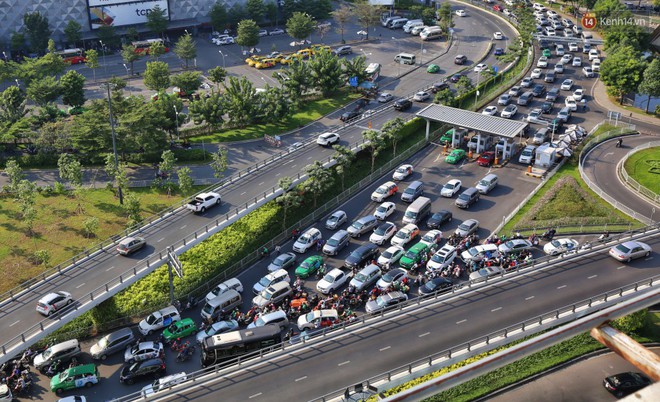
(506, 148)
(483, 143)
(458, 137)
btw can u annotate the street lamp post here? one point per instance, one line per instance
(114, 141)
(105, 66)
(176, 116)
(128, 79)
(223, 59)
(17, 84)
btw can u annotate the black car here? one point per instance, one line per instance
(438, 219)
(623, 384)
(152, 368)
(350, 115)
(439, 86)
(360, 103)
(538, 90)
(552, 94)
(546, 107)
(455, 77)
(402, 104)
(361, 254)
(439, 284)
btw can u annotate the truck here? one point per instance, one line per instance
(204, 201)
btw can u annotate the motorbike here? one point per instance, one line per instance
(549, 234)
(185, 353)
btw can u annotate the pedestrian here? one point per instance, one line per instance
(294, 234)
(277, 250)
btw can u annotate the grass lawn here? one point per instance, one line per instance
(644, 166)
(59, 228)
(309, 112)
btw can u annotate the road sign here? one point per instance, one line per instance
(174, 262)
(353, 81)
(496, 69)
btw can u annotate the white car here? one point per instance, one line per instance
(390, 256)
(227, 40)
(164, 383)
(432, 237)
(263, 32)
(421, 96)
(573, 47)
(307, 240)
(543, 62)
(559, 68)
(559, 246)
(219, 327)
(53, 302)
(514, 246)
(571, 103)
(276, 31)
(461, 13)
(567, 85)
(480, 67)
(482, 274)
(442, 258)
(578, 94)
(567, 58)
(588, 72)
(335, 220)
(385, 190)
(143, 351)
(402, 172)
(385, 97)
(327, 139)
(384, 210)
(509, 111)
(535, 116)
(271, 279)
(577, 62)
(536, 73)
(231, 283)
(391, 276)
(405, 235)
(498, 35)
(593, 54)
(490, 111)
(383, 233)
(595, 65)
(630, 250)
(480, 252)
(450, 189)
(332, 281)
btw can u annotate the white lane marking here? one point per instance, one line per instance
(255, 395)
(12, 324)
(561, 287)
(385, 348)
(461, 321)
(159, 240)
(289, 161)
(243, 193)
(621, 267)
(278, 173)
(592, 276)
(260, 184)
(529, 298)
(309, 157)
(301, 378)
(81, 285)
(423, 335)
(183, 227)
(495, 309)
(609, 154)
(346, 362)
(112, 267)
(293, 166)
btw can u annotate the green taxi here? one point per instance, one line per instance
(75, 377)
(433, 68)
(446, 137)
(414, 255)
(309, 266)
(180, 329)
(455, 156)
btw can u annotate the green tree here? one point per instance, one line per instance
(188, 81)
(375, 142)
(92, 57)
(107, 35)
(608, 8)
(157, 20)
(271, 13)
(186, 48)
(626, 35)
(326, 72)
(320, 9)
(632, 322)
(236, 13)
(239, 101)
(274, 105)
(290, 197)
(368, 16)
(428, 16)
(342, 16)
(73, 88)
(650, 84)
(164, 112)
(320, 180)
(299, 80)
(51, 46)
(157, 76)
(355, 68)
(393, 131)
(53, 137)
(43, 257)
(129, 56)
(344, 158)
(217, 75)
(70, 169)
(44, 91)
(445, 17)
(133, 210)
(17, 41)
(208, 110)
(12, 105)
(464, 85)
(15, 174)
(622, 71)
(38, 31)
(186, 181)
(256, 9)
(26, 196)
(116, 173)
(218, 16)
(156, 49)
(91, 226)
(72, 32)
(446, 97)
(300, 26)
(132, 35)
(219, 162)
(247, 33)
(322, 30)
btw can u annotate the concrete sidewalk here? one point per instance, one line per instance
(602, 99)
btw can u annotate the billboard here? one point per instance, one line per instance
(122, 12)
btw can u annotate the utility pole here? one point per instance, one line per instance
(114, 141)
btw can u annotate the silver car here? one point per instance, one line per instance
(111, 343)
(467, 227)
(630, 250)
(335, 220)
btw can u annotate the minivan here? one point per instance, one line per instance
(222, 305)
(62, 351)
(428, 35)
(405, 58)
(525, 98)
(467, 198)
(414, 190)
(273, 294)
(398, 23)
(488, 183)
(541, 136)
(362, 226)
(111, 343)
(335, 243)
(277, 317)
(527, 155)
(564, 114)
(229, 284)
(386, 22)
(412, 24)
(417, 211)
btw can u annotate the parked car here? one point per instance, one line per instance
(455, 156)
(490, 111)
(421, 96)
(630, 250)
(509, 111)
(504, 99)
(450, 189)
(282, 261)
(385, 97)
(402, 104)
(439, 218)
(552, 94)
(567, 85)
(486, 159)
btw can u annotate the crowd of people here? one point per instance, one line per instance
(16, 374)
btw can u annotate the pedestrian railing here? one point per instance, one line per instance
(652, 196)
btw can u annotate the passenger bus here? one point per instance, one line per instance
(231, 345)
(372, 71)
(142, 46)
(72, 56)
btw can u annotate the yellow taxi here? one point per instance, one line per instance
(316, 48)
(265, 63)
(290, 58)
(252, 60)
(305, 53)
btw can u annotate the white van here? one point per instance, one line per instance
(431, 34)
(527, 155)
(417, 30)
(386, 22)
(164, 382)
(487, 183)
(229, 284)
(399, 23)
(417, 211)
(221, 305)
(411, 24)
(405, 58)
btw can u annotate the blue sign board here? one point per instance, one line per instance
(353, 81)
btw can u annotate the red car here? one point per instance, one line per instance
(486, 159)
(497, 7)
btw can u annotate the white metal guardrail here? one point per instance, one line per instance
(653, 197)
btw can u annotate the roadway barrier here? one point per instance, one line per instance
(634, 184)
